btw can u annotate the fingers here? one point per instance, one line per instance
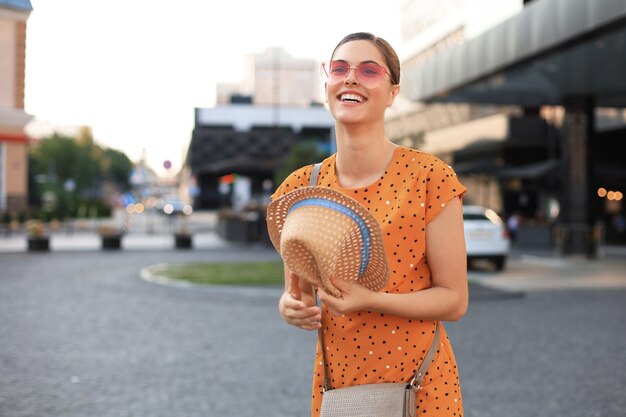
(342, 285)
(352, 297)
(294, 286)
(330, 301)
(296, 313)
(328, 298)
(307, 319)
(289, 301)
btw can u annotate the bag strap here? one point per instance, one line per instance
(325, 383)
(315, 172)
(416, 381)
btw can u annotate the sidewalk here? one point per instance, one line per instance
(90, 241)
(532, 270)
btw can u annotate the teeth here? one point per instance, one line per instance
(351, 97)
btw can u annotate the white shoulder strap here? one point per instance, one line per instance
(314, 174)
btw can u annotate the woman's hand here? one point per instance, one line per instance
(294, 310)
(354, 297)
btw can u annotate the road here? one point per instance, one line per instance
(82, 335)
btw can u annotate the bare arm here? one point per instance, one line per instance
(447, 299)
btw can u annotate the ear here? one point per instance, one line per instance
(326, 91)
(393, 93)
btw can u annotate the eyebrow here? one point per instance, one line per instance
(369, 61)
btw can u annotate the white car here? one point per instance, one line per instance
(486, 235)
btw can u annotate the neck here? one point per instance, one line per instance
(363, 154)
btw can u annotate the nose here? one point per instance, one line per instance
(351, 77)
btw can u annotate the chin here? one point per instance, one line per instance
(347, 117)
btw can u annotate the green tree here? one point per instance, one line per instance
(301, 154)
(54, 158)
(88, 169)
(118, 167)
(34, 191)
(75, 169)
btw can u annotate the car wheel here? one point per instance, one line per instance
(499, 262)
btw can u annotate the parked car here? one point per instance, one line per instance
(486, 236)
(174, 206)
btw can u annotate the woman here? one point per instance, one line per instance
(416, 198)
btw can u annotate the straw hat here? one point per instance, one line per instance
(321, 233)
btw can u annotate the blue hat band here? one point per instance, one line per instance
(363, 229)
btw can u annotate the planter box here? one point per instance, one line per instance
(182, 241)
(253, 229)
(235, 230)
(38, 244)
(112, 242)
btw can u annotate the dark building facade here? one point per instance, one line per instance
(250, 141)
(566, 55)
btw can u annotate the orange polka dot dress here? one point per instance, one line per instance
(368, 347)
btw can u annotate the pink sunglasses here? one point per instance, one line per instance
(369, 74)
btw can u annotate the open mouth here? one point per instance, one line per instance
(351, 98)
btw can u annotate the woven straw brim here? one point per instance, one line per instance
(318, 243)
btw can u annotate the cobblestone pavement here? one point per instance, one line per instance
(82, 335)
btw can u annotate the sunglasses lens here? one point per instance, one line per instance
(338, 71)
(368, 74)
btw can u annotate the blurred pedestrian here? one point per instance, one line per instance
(512, 224)
(382, 336)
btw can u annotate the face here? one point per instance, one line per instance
(358, 88)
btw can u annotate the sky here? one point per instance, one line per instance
(135, 70)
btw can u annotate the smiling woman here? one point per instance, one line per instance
(416, 200)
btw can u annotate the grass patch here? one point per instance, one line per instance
(223, 273)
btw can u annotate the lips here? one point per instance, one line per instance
(351, 98)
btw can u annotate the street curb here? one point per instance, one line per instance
(148, 276)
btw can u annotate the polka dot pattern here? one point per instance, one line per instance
(367, 347)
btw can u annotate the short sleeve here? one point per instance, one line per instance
(297, 179)
(442, 185)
